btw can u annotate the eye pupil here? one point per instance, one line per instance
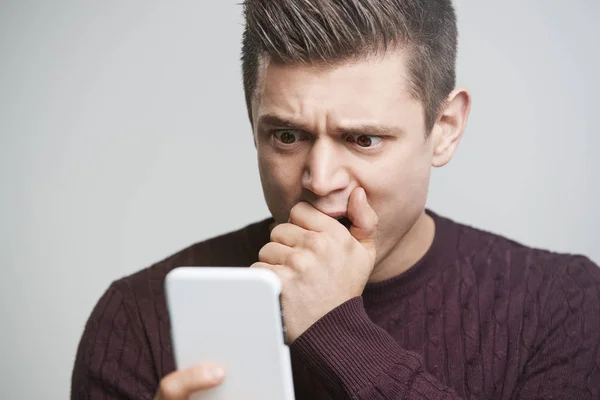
(364, 141)
(287, 138)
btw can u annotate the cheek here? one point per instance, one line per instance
(398, 184)
(399, 199)
(281, 179)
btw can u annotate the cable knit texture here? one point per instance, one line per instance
(478, 317)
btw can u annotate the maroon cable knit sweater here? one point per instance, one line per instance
(478, 317)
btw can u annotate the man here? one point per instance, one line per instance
(351, 103)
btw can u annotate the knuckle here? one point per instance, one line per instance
(315, 242)
(275, 233)
(296, 260)
(296, 211)
(265, 251)
(349, 246)
(261, 254)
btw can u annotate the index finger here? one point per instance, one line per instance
(308, 217)
(178, 385)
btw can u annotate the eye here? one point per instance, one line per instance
(365, 141)
(288, 136)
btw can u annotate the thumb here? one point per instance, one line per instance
(363, 217)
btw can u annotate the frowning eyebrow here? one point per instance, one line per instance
(273, 120)
(360, 129)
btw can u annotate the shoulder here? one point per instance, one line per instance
(488, 250)
(132, 313)
(143, 291)
(236, 248)
(502, 265)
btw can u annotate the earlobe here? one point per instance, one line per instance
(450, 126)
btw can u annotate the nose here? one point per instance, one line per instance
(324, 172)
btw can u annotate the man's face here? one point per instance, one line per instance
(321, 132)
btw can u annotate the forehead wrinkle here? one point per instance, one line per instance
(293, 110)
(347, 112)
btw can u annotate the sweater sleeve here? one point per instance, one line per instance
(565, 359)
(356, 359)
(113, 360)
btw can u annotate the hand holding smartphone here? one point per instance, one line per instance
(231, 316)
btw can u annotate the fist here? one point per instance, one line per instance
(320, 263)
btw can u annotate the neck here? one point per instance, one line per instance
(407, 252)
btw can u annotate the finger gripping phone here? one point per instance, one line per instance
(231, 316)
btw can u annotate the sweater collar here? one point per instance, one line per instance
(441, 253)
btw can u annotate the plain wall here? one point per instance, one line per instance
(124, 138)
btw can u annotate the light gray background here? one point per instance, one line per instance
(124, 139)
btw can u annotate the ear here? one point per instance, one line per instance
(450, 126)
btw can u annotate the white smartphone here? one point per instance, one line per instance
(231, 316)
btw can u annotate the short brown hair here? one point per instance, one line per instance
(330, 31)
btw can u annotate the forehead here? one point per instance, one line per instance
(371, 88)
